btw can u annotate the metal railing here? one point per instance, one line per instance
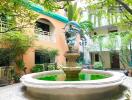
(44, 35)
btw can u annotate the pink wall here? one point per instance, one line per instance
(60, 44)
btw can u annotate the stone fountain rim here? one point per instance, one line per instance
(116, 79)
(72, 53)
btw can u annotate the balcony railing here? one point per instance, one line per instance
(44, 35)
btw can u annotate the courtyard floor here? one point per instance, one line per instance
(17, 92)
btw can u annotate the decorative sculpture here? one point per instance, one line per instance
(72, 29)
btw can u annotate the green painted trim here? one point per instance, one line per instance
(41, 10)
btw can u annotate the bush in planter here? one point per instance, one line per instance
(16, 78)
(51, 67)
(37, 68)
(53, 53)
(98, 65)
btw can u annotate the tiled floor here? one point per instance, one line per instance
(17, 91)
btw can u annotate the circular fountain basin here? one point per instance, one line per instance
(83, 87)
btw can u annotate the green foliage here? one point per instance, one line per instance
(99, 39)
(51, 52)
(50, 5)
(127, 38)
(98, 65)
(125, 51)
(16, 78)
(17, 15)
(20, 64)
(86, 26)
(5, 56)
(73, 12)
(51, 67)
(37, 68)
(111, 44)
(114, 11)
(17, 44)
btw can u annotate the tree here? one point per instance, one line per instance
(51, 5)
(98, 39)
(15, 44)
(73, 12)
(18, 14)
(124, 50)
(116, 11)
(86, 26)
(125, 5)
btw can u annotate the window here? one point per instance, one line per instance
(42, 28)
(41, 58)
(96, 57)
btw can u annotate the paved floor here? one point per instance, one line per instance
(17, 92)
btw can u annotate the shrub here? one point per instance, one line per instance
(98, 65)
(37, 68)
(20, 64)
(51, 67)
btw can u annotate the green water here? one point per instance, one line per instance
(82, 76)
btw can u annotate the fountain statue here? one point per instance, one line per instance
(72, 29)
(77, 84)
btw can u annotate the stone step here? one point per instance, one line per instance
(3, 82)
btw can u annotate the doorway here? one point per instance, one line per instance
(115, 63)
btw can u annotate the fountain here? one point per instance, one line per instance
(71, 70)
(72, 83)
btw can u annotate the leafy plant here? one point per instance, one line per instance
(115, 11)
(73, 12)
(98, 65)
(86, 26)
(17, 15)
(112, 44)
(53, 53)
(50, 52)
(125, 51)
(51, 67)
(16, 78)
(16, 44)
(37, 68)
(51, 5)
(20, 64)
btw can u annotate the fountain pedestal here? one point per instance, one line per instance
(71, 70)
